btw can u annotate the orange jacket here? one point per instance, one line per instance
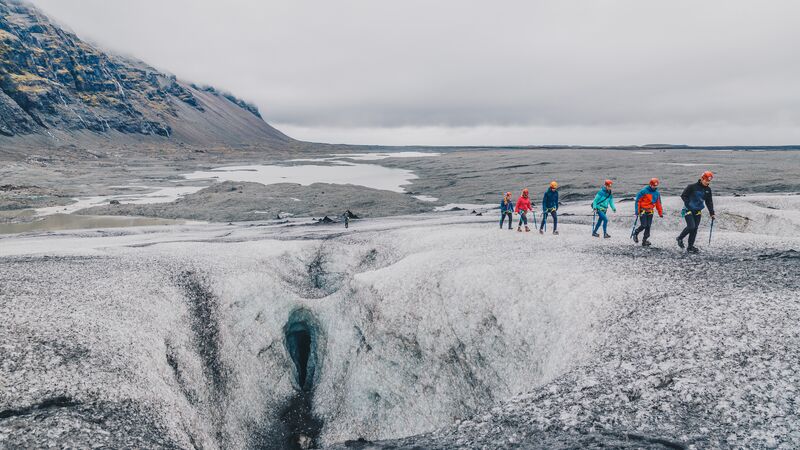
(649, 199)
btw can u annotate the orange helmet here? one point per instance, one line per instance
(654, 182)
(554, 185)
(609, 183)
(508, 194)
(525, 192)
(707, 175)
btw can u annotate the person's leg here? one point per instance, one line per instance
(601, 220)
(689, 218)
(641, 225)
(600, 215)
(604, 218)
(510, 219)
(555, 221)
(502, 219)
(647, 222)
(693, 233)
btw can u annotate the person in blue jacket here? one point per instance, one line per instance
(602, 201)
(506, 210)
(550, 206)
(695, 198)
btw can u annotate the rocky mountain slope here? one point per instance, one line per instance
(54, 84)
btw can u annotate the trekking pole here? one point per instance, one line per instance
(545, 221)
(594, 217)
(711, 231)
(633, 229)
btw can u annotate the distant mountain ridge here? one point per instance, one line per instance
(51, 81)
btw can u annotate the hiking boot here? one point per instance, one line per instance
(606, 236)
(680, 242)
(693, 250)
(595, 235)
(555, 232)
(646, 244)
(636, 238)
(541, 231)
(519, 229)
(527, 229)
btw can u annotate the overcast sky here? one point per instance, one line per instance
(467, 72)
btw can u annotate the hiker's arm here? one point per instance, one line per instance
(710, 202)
(686, 194)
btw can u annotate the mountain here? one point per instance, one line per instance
(56, 85)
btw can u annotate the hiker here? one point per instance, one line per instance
(695, 198)
(602, 201)
(522, 208)
(648, 201)
(550, 206)
(506, 210)
(346, 216)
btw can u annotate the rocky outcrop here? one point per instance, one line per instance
(52, 80)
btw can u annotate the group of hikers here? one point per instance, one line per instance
(696, 197)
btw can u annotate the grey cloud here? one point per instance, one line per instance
(582, 65)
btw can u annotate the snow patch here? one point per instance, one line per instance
(466, 207)
(426, 198)
(368, 175)
(159, 195)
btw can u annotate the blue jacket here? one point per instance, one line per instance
(550, 199)
(506, 207)
(603, 200)
(696, 196)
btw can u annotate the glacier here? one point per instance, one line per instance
(434, 330)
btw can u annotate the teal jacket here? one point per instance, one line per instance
(603, 200)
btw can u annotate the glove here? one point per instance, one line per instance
(614, 209)
(660, 216)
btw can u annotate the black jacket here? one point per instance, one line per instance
(696, 196)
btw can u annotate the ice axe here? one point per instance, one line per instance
(711, 231)
(633, 228)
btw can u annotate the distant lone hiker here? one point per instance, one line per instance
(506, 210)
(522, 208)
(346, 217)
(648, 201)
(550, 206)
(695, 198)
(602, 201)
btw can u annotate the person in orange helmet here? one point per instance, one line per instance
(522, 208)
(648, 201)
(695, 198)
(506, 210)
(602, 201)
(550, 206)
